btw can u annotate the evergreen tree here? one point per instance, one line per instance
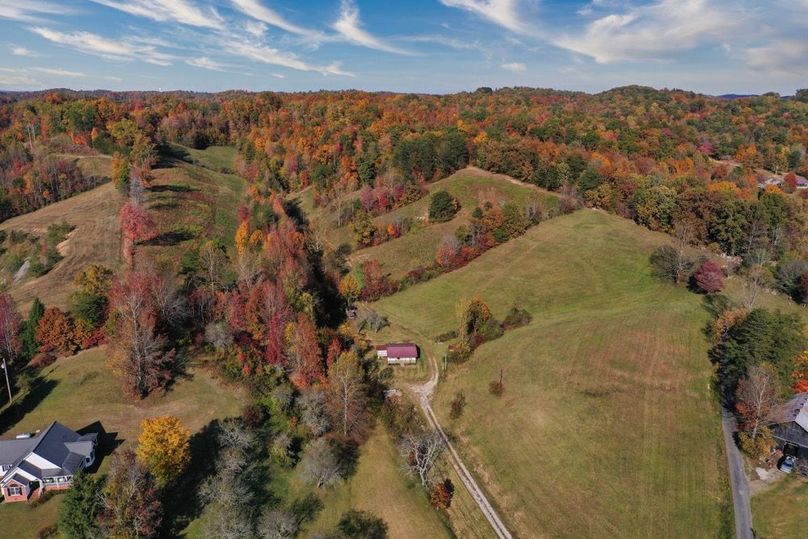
(30, 345)
(81, 505)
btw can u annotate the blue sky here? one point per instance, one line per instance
(711, 46)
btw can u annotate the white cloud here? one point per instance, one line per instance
(504, 13)
(59, 72)
(268, 55)
(30, 10)
(350, 27)
(780, 56)
(205, 63)
(653, 31)
(180, 11)
(255, 28)
(516, 67)
(94, 44)
(256, 10)
(22, 51)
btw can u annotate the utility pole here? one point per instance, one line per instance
(8, 384)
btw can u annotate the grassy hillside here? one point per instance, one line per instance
(191, 203)
(471, 186)
(95, 240)
(607, 388)
(79, 391)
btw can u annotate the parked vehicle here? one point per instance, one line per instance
(787, 464)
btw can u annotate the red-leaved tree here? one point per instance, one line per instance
(136, 225)
(709, 278)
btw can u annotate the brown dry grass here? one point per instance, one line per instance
(95, 240)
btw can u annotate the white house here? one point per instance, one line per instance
(31, 465)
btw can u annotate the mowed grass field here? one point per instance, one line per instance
(96, 239)
(471, 186)
(608, 427)
(80, 391)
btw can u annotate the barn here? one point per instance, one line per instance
(398, 353)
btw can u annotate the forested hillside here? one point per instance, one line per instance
(258, 232)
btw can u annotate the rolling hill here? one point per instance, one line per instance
(607, 403)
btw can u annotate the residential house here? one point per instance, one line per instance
(790, 425)
(802, 182)
(47, 460)
(398, 353)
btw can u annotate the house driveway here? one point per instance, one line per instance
(738, 481)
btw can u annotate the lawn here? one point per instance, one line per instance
(607, 404)
(80, 391)
(779, 512)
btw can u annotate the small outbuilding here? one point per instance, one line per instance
(398, 353)
(790, 426)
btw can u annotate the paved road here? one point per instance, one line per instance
(737, 476)
(424, 392)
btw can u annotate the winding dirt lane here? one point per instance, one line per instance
(424, 392)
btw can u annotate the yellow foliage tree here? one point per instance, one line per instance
(350, 288)
(242, 237)
(163, 447)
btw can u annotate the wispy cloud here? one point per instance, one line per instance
(258, 11)
(94, 44)
(181, 11)
(349, 27)
(15, 78)
(59, 72)
(30, 10)
(652, 31)
(269, 55)
(504, 13)
(22, 51)
(205, 63)
(516, 67)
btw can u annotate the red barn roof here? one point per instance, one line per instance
(400, 350)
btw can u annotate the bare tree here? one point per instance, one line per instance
(755, 282)
(319, 465)
(756, 396)
(313, 415)
(422, 450)
(212, 265)
(278, 523)
(347, 393)
(171, 305)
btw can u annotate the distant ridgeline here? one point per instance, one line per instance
(658, 157)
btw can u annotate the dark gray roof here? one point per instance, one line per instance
(57, 444)
(19, 479)
(13, 450)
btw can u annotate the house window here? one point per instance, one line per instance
(5, 467)
(48, 480)
(60, 479)
(15, 491)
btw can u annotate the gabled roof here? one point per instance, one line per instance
(795, 410)
(399, 350)
(58, 445)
